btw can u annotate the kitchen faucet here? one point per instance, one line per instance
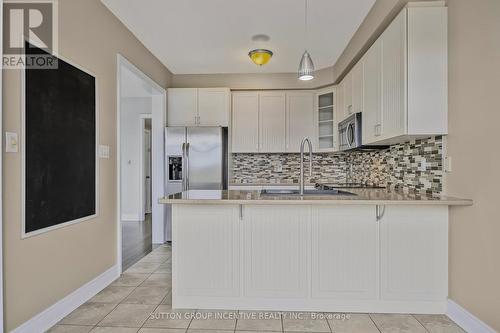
(301, 180)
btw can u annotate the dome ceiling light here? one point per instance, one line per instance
(306, 66)
(260, 56)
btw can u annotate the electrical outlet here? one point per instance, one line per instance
(11, 142)
(278, 167)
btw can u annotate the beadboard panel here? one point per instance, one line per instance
(276, 251)
(414, 247)
(344, 252)
(212, 267)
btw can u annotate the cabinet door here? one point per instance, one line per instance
(182, 106)
(339, 102)
(272, 118)
(213, 106)
(275, 256)
(299, 119)
(245, 121)
(394, 78)
(357, 88)
(344, 252)
(372, 94)
(414, 253)
(347, 108)
(212, 266)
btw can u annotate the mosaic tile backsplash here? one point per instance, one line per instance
(415, 166)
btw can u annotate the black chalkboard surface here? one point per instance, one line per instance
(60, 145)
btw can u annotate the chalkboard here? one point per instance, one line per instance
(60, 145)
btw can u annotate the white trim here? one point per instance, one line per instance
(50, 316)
(466, 320)
(22, 143)
(157, 186)
(1, 176)
(118, 166)
(142, 191)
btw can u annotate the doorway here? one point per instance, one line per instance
(140, 123)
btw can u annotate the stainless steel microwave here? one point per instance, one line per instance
(350, 134)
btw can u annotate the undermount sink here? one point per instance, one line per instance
(306, 192)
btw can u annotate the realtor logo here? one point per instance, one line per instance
(29, 22)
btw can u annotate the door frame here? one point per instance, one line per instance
(158, 123)
(142, 190)
(1, 175)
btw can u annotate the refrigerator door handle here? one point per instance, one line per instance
(187, 167)
(183, 167)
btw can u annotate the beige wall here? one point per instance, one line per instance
(474, 122)
(41, 270)
(474, 81)
(323, 77)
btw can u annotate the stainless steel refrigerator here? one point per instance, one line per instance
(196, 159)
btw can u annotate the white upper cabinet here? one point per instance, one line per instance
(405, 78)
(245, 122)
(299, 119)
(347, 107)
(326, 102)
(393, 42)
(213, 106)
(427, 70)
(198, 107)
(357, 89)
(272, 117)
(372, 96)
(272, 121)
(182, 106)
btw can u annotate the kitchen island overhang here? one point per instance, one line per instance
(381, 252)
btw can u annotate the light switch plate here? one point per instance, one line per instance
(11, 142)
(447, 164)
(103, 151)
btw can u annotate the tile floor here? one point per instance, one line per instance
(140, 302)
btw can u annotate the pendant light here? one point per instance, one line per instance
(306, 66)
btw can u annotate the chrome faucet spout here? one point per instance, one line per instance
(302, 145)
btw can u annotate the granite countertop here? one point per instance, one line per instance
(363, 196)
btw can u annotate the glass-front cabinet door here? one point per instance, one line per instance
(325, 115)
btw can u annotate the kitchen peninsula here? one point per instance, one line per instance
(372, 250)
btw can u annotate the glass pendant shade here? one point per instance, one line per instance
(260, 56)
(306, 67)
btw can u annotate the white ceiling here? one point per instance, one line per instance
(214, 36)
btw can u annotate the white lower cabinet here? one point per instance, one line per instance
(275, 259)
(414, 253)
(331, 258)
(344, 252)
(206, 241)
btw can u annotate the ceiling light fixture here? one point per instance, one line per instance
(260, 56)
(306, 66)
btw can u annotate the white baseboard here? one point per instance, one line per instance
(132, 217)
(466, 320)
(53, 314)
